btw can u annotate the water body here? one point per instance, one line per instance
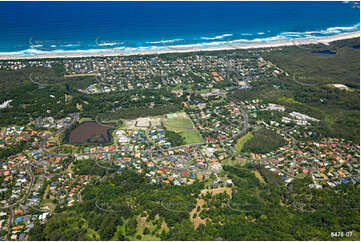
(89, 132)
(39, 28)
(327, 52)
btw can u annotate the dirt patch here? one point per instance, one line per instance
(197, 220)
(216, 191)
(51, 206)
(340, 86)
(259, 176)
(80, 75)
(46, 192)
(69, 169)
(142, 222)
(164, 225)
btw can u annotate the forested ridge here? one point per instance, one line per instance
(111, 210)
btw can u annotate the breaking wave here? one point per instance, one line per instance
(242, 39)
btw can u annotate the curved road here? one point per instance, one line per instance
(32, 178)
(10, 207)
(45, 139)
(76, 118)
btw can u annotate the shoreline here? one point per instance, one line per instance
(231, 46)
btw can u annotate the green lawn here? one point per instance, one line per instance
(301, 175)
(191, 136)
(288, 100)
(84, 120)
(183, 87)
(184, 127)
(241, 141)
(235, 162)
(178, 124)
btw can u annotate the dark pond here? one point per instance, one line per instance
(89, 132)
(327, 52)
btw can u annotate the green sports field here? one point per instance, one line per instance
(184, 126)
(178, 124)
(191, 136)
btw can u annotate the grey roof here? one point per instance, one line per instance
(22, 236)
(30, 225)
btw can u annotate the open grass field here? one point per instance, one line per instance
(288, 100)
(81, 120)
(241, 141)
(191, 136)
(236, 162)
(180, 123)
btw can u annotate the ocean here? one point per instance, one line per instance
(41, 28)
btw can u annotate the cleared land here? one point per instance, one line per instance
(191, 137)
(241, 141)
(180, 123)
(235, 162)
(340, 86)
(81, 120)
(200, 202)
(259, 176)
(80, 75)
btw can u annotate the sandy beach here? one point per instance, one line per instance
(172, 49)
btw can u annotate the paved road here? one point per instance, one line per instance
(41, 85)
(11, 207)
(242, 132)
(11, 216)
(303, 83)
(79, 196)
(76, 117)
(45, 139)
(28, 168)
(143, 151)
(245, 126)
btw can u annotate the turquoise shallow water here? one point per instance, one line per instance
(39, 28)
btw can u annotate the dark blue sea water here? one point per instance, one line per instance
(36, 28)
